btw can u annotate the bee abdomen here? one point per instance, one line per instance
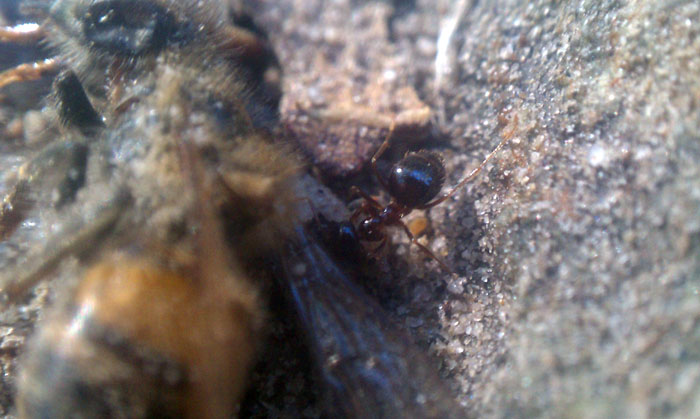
(140, 340)
(79, 368)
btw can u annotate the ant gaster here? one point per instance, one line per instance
(413, 183)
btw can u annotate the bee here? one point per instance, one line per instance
(162, 114)
(117, 347)
(147, 211)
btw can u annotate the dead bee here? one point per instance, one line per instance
(151, 232)
(158, 101)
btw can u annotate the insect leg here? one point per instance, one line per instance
(22, 34)
(424, 249)
(467, 178)
(74, 107)
(379, 153)
(16, 283)
(370, 201)
(29, 72)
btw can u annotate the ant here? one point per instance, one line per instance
(413, 183)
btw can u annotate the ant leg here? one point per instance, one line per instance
(29, 72)
(468, 178)
(24, 33)
(379, 153)
(368, 199)
(423, 248)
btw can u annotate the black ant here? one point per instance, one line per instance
(413, 183)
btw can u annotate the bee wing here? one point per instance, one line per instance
(369, 368)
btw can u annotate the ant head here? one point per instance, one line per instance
(417, 178)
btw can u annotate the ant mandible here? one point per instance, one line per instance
(413, 183)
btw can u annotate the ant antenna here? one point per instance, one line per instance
(469, 177)
(381, 151)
